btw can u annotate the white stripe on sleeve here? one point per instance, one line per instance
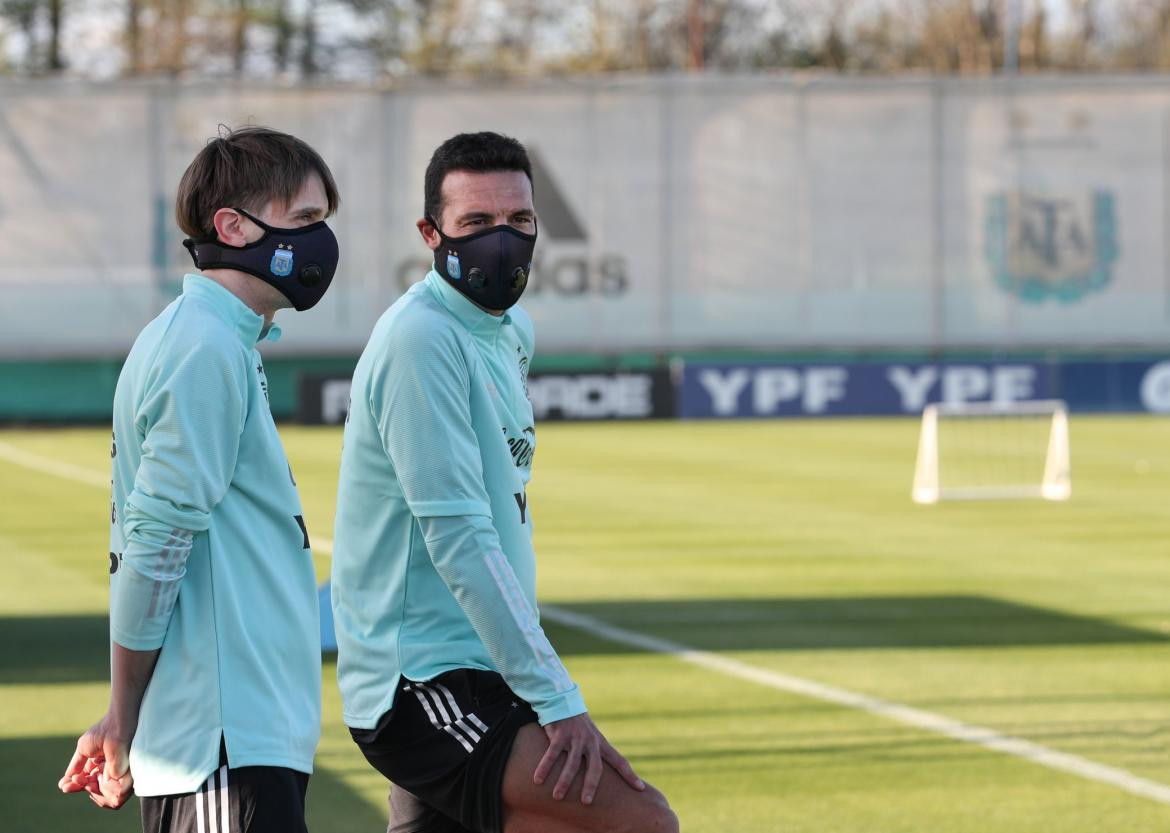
(526, 621)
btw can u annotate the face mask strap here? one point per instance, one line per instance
(280, 230)
(467, 238)
(257, 221)
(212, 237)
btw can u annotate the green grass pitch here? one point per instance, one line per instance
(791, 546)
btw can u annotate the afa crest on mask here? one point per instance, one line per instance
(281, 264)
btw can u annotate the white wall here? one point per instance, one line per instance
(757, 212)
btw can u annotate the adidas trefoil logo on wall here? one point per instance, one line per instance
(1042, 246)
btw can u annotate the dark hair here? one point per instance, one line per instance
(484, 152)
(247, 168)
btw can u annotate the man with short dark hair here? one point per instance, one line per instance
(215, 695)
(449, 685)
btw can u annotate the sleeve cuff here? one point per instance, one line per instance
(166, 512)
(565, 705)
(447, 508)
(140, 608)
(135, 643)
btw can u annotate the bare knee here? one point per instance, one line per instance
(653, 816)
(666, 819)
(650, 814)
(662, 819)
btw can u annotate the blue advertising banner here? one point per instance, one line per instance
(817, 389)
(1127, 386)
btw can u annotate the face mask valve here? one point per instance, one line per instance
(491, 267)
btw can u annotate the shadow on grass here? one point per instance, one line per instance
(30, 767)
(55, 649)
(62, 649)
(334, 807)
(845, 623)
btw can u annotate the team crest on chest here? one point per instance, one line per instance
(524, 371)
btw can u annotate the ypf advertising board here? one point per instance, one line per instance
(889, 388)
(1123, 386)
(721, 391)
(745, 391)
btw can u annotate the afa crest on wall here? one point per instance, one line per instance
(1042, 246)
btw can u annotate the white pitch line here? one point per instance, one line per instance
(908, 715)
(928, 721)
(47, 465)
(68, 471)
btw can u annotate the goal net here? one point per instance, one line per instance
(990, 450)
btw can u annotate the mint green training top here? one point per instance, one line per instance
(209, 557)
(433, 567)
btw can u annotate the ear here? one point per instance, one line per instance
(230, 227)
(430, 234)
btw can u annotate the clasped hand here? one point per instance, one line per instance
(100, 766)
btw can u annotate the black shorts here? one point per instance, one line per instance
(250, 799)
(447, 742)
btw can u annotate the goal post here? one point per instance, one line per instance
(993, 450)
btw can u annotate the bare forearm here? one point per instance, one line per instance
(101, 764)
(129, 675)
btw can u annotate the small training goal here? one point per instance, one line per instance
(993, 450)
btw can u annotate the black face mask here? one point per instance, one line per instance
(491, 267)
(300, 262)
